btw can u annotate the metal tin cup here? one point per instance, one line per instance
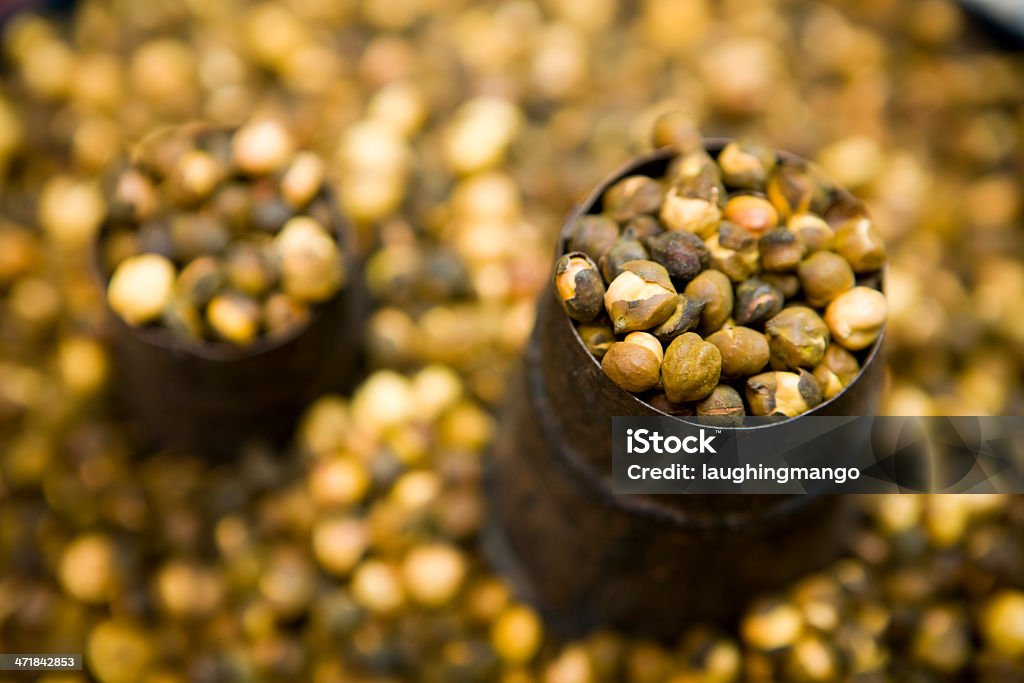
(643, 563)
(211, 397)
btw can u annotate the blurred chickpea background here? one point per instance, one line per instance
(457, 135)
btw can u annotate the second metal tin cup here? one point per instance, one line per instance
(645, 564)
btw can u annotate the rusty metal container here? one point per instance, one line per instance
(646, 564)
(212, 398)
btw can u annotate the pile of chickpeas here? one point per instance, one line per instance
(723, 268)
(221, 237)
